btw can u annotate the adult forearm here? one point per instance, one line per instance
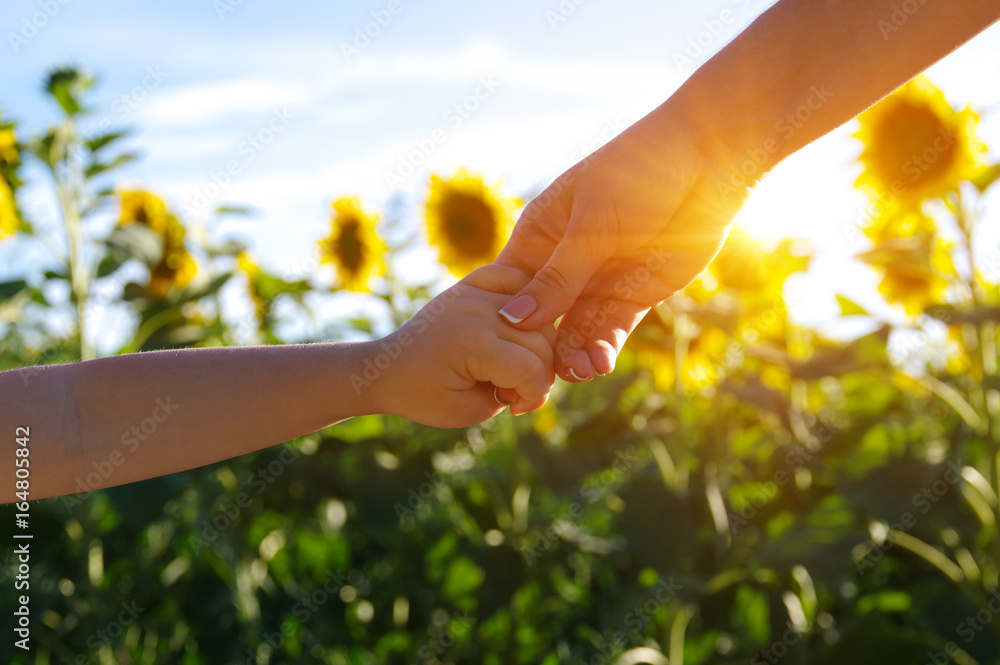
(805, 67)
(121, 419)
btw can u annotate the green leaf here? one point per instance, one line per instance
(96, 168)
(134, 291)
(238, 210)
(197, 293)
(987, 178)
(752, 610)
(270, 287)
(463, 577)
(43, 148)
(39, 297)
(139, 242)
(360, 323)
(56, 274)
(103, 140)
(66, 84)
(954, 315)
(111, 262)
(229, 248)
(850, 308)
(11, 289)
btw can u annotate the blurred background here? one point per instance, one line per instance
(796, 460)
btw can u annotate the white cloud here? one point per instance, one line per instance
(204, 103)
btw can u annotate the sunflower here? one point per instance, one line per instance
(176, 267)
(468, 221)
(659, 359)
(745, 266)
(252, 272)
(141, 207)
(708, 356)
(916, 270)
(8, 147)
(8, 213)
(916, 146)
(899, 223)
(9, 158)
(353, 246)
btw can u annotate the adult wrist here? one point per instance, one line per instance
(733, 132)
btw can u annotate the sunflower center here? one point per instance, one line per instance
(349, 246)
(917, 146)
(469, 225)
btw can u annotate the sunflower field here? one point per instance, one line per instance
(740, 490)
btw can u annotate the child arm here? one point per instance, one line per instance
(137, 416)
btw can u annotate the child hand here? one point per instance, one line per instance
(446, 365)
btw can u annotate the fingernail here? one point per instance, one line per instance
(572, 372)
(600, 375)
(519, 309)
(496, 396)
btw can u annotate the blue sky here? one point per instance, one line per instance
(270, 92)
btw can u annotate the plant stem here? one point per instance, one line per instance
(68, 191)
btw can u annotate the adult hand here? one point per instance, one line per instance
(633, 224)
(616, 234)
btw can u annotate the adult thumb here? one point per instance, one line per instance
(555, 287)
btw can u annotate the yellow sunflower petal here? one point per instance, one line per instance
(8, 147)
(8, 213)
(142, 207)
(916, 270)
(899, 223)
(706, 360)
(757, 273)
